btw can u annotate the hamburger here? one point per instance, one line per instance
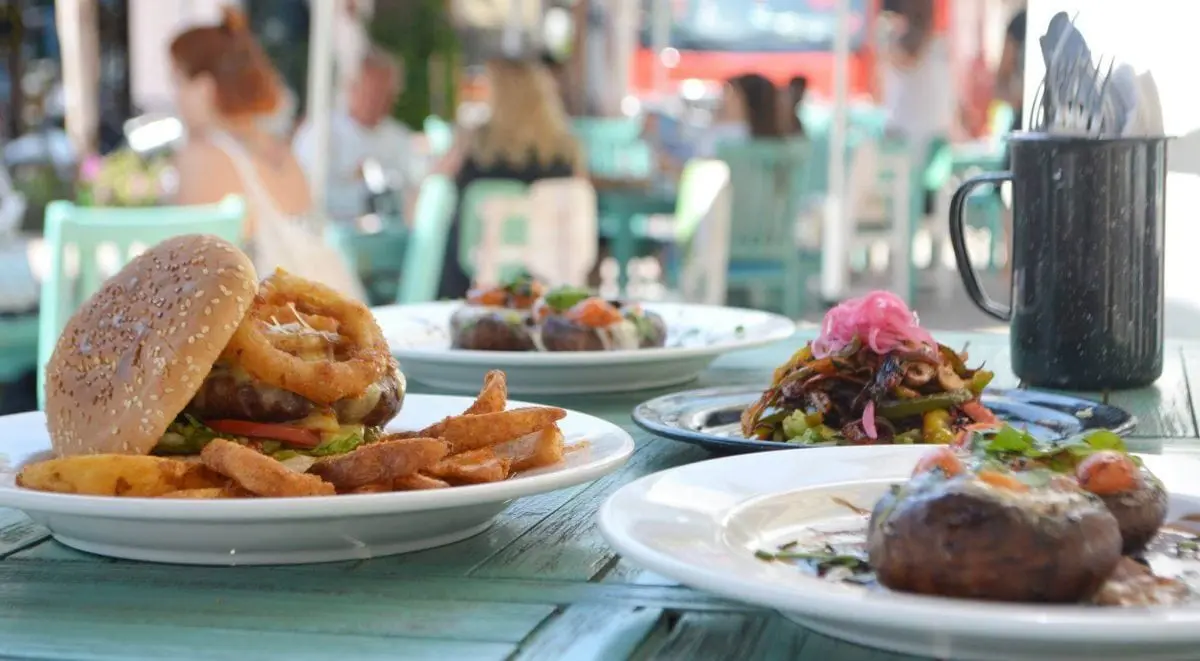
(143, 367)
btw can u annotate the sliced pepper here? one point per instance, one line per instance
(978, 412)
(980, 380)
(935, 427)
(906, 408)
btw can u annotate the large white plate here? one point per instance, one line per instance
(697, 334)
(297, 530)
(700, 524)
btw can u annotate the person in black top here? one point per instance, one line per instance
(1010, 76)
(526, 138)
(1010, 88)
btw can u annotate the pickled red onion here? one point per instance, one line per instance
(880, 320)
(868, 420)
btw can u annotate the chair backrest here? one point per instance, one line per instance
(614, 147)
(439, 133)
(768, 179)
(87, 245)
(563, 230)
(426, 250)
(512, 230)
(704, 204)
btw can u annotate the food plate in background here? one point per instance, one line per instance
(251, 531)
(700, 524)
(696, 335)
(709, 417)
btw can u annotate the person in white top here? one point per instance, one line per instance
(361, 132)
(225, 87)
(918, 93)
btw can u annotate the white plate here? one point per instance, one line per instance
(700, 525)
(297, 530)
(696, 335)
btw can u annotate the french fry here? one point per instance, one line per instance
(208, 493)
(260, 474)
(380, 462)
(377, 487)
(199, 476)
(493, 398)
(418, 482)
(541, 448)
(470, 432)
(136, 476)
(472, 467)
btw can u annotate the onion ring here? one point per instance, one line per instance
(367, 357)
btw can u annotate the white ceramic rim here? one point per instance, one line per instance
(533, 482)
(775, 328)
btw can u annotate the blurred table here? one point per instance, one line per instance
(621, 205)
(539, 585)
(376, 254)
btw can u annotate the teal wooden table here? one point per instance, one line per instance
(540, 584)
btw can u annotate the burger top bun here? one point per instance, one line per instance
(132, 357)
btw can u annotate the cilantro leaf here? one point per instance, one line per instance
(561, 299)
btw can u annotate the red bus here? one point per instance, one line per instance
(713, 40)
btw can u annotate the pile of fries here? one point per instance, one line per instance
(486, 443)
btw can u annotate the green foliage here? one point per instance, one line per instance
(418, 31)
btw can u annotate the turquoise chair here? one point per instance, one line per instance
(768, 178)
(984, 207)
(614, 147)
(426, 250)
(377, 258)
(440, 135)
(516, 229)
(90, 231)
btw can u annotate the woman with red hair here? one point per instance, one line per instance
(225, 88)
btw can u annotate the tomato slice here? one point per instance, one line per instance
(297, 436)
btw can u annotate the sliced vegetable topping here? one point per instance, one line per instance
(943, 459)
(561, 299)
(880, 319)
(296, 436)
(594, 312)
(1107, 472)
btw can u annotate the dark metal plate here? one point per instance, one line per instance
(710, 417)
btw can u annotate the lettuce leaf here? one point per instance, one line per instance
(186, 435)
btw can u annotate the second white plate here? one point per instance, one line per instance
(700, 524)
(257, 531)
(696, 335)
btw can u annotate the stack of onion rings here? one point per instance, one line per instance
(363, 357)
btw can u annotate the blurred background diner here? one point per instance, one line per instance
(404, 149)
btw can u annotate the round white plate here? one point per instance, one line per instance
(696, 335)
(297, 530)
(700, 525)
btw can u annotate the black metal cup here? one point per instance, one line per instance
(1087, 259)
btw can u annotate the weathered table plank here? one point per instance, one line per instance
(202, 582)
(18, 532)
(45, 636)
(589, 632)
(566, 545)
(264, 610)
(540, 584)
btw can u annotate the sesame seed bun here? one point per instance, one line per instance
(132, 357)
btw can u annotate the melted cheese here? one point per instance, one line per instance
(357, 408)
(621, 336)
(323, 421)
